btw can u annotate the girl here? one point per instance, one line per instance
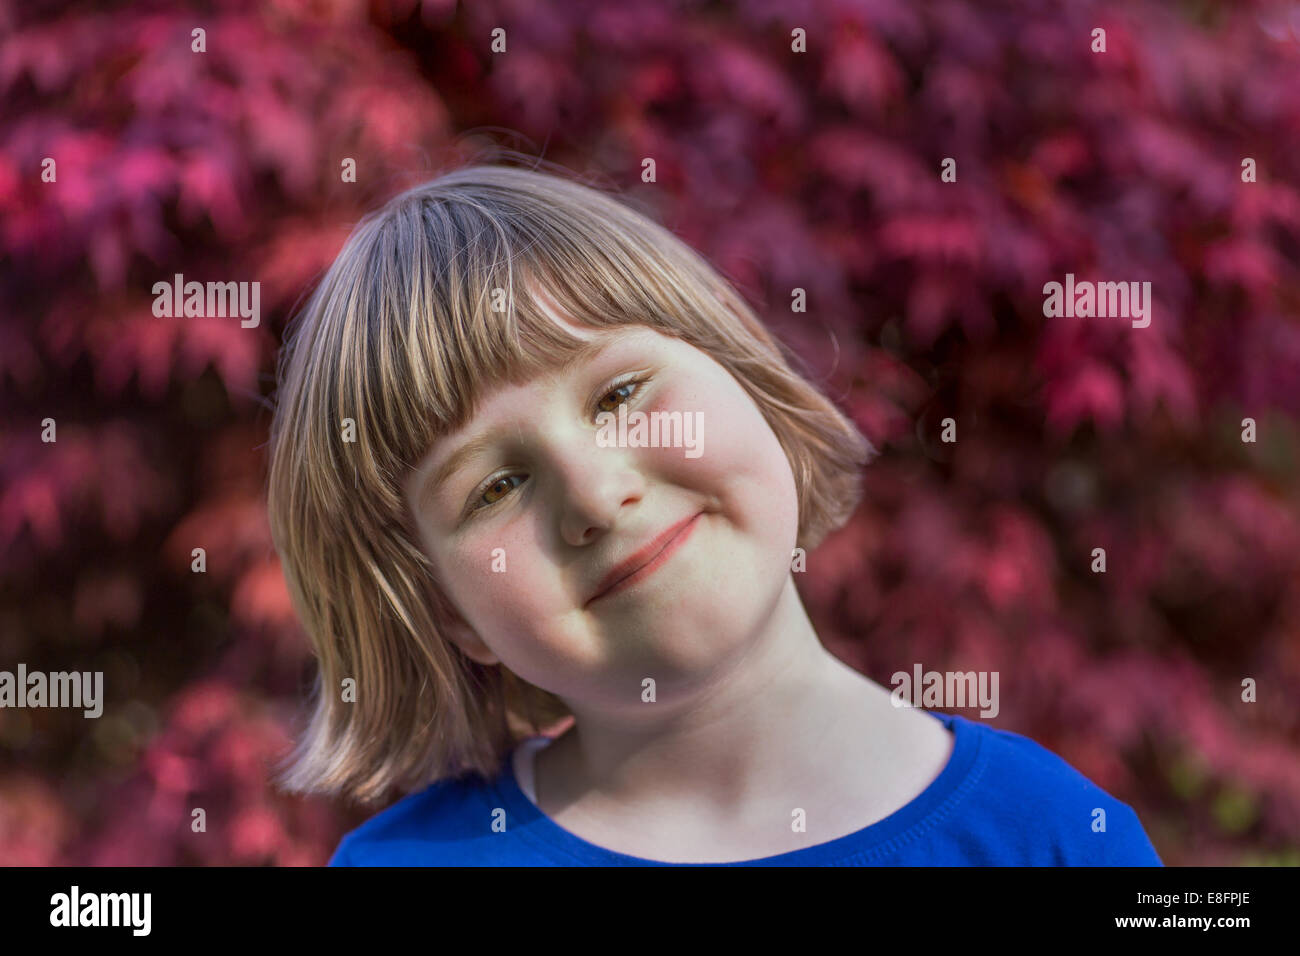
(583, 651)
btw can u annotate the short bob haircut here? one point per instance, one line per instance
(395, 346)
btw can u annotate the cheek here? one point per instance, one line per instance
(493, 580)
(744, 464)
(513, 597)
(517, 605)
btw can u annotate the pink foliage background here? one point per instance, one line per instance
(816, 170)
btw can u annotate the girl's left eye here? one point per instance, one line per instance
(493, 484)
(614, 391)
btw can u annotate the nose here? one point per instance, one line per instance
(593, 485)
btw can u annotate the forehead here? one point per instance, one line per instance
(595, 342)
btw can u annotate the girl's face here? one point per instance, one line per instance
(527, 529)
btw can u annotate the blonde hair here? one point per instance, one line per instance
(401, 337)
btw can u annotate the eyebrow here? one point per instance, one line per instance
(480, 443)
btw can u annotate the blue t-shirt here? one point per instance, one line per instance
(1001, 800)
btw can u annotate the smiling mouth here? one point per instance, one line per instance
(648, 567)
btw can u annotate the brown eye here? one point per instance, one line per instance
(600, 404)
(497, 485)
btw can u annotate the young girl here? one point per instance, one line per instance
(576, 638)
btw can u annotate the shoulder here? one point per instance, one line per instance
(1049, 813)
(434, 826)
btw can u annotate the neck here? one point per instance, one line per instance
(756, 724)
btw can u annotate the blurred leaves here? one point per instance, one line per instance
(816, 170)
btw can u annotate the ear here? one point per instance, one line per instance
(457, 630)
(470, 644)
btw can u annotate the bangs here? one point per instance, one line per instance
(459, 295)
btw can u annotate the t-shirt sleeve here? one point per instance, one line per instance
(342, 855)
(1092, 828)
(1044, 812)
(1124, 842)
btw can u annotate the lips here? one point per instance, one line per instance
(641, 557)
